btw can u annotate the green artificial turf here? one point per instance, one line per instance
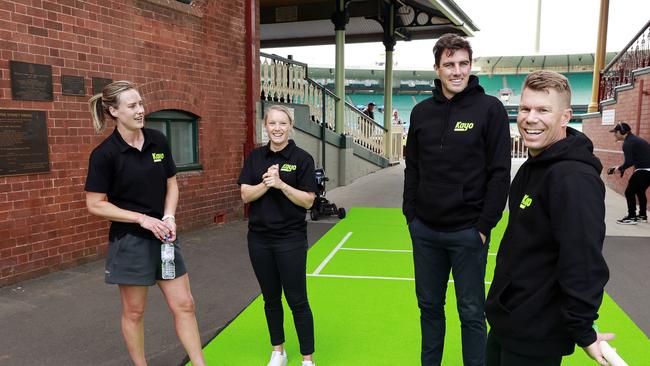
(370, 321)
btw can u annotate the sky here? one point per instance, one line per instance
(507, 28)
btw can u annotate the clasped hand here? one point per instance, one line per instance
(271, 178)
(163, 230)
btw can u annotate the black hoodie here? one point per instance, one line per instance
(457, 160)
(550, 273)
(636, 151)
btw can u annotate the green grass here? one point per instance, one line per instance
(374, 321)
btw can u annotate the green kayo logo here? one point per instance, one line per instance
(288, 167)
(157, 157)
(525, 202)
(463, 126)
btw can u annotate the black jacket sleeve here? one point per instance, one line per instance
(498, 168)
(411, 173)
(577, 211)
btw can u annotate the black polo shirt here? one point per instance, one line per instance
(273, 216)
(132, 179)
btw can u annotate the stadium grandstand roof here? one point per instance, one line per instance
(481, 65)
(525, 64)
(287, 23)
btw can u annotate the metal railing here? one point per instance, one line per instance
(636, 55)
(287, 81)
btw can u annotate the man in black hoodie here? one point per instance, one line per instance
(550, 273)
(637, 153)
(455, 188)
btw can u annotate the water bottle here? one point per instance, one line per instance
(167, 258)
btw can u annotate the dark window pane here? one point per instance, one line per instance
(157, 125)
(183, 146)
(180, 129)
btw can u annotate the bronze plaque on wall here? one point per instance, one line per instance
(31, 81)
(73, 85)
(23, 142)
(99, 84)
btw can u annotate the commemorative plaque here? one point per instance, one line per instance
(31, 81)
(99, 84)
(73, 85)
(23, 142)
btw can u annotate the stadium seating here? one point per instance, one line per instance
(404, 103)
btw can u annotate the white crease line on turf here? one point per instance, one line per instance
(362, 277)
(329, 257)
(390, 250)
(380, 250)
(373, 277)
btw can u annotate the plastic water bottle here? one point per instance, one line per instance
(167, 259)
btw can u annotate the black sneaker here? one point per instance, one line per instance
(627, 220)
(641, 218)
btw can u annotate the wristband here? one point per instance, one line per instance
(168, 217)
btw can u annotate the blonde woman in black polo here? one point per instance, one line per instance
(132, 182)
(279, 183)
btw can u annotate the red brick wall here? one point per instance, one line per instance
(182, 57)
(626, 109)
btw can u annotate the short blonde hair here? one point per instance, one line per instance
(278, 108)
(545, 80)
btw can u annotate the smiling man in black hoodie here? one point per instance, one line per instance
(550, 273)
(455, 188)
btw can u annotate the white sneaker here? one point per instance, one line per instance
(278, 359)
(308, 363)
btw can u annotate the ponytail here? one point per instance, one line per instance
(109, 97)
(97, 113)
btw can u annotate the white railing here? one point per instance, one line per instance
(517, 148)
(364, 130)
(283, 80)
(286, 81)
(396, 143)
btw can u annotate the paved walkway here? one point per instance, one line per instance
(72, 318)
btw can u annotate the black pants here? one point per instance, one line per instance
(435, 254)
(282, 266)
(496, 355)
(636, 187)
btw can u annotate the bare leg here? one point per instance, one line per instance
(179, 299)
(134, 299)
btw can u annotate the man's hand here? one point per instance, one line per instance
(611, 170)
(593, 350)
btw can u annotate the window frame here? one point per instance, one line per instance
(169, 116)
